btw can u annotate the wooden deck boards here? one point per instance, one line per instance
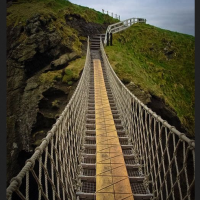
(112, 181)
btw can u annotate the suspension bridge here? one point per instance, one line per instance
(107, 144)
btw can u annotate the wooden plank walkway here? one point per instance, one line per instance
(112, 181)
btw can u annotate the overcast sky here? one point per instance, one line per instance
(174, 15)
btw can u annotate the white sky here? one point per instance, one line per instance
(174, 15)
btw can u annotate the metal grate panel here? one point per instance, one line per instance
(130, 161)
(132, 172)
(89, 160)
(119, 128)
(90, 151)
(123, 142)
(122, 135)
(127, 151)
(90, 142)
(91, 128)
(88, 187)
(90, 121)
(91, 112)
(90, 116)
(138, 188)
(89, 172)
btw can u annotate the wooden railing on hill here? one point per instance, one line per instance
(120, 26)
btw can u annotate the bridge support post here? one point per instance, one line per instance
(111, 37)
(108, 39)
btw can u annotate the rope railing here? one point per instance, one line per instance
(167, 156)
(51, 172)
(120, 26)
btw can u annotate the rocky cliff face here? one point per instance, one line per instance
(33, 49)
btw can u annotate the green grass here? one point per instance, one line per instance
(68, 75)
(138, 55)
(51, 77)
(54, 11)
(19, 12)
(72, 72)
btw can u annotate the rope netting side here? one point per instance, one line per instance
(51, 172)
(167, 156)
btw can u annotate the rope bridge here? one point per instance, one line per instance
(164, 157)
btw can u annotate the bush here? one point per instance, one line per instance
(51, 77)
(69, 75)
(70, 83)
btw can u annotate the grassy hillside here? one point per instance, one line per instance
(55, 12)
(160, 62)
(22, 10)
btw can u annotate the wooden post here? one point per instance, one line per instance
(103, 11)
(119, 17)
(107, 39)
(107, 12)
(111, 37)
(112, 15)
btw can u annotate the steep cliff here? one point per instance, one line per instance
(46, 44)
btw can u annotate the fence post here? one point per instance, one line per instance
(119, 17)
(103, 11)
(108, 39)
(111, 37)
(112, 15)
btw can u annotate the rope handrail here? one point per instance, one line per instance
(119, 26)
(50, 156)
(167, 155)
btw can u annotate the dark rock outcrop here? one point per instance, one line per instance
(84, 28)
(31, 49)
(64, 60)
(139, 93)
(157, 105)
(160, 108)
